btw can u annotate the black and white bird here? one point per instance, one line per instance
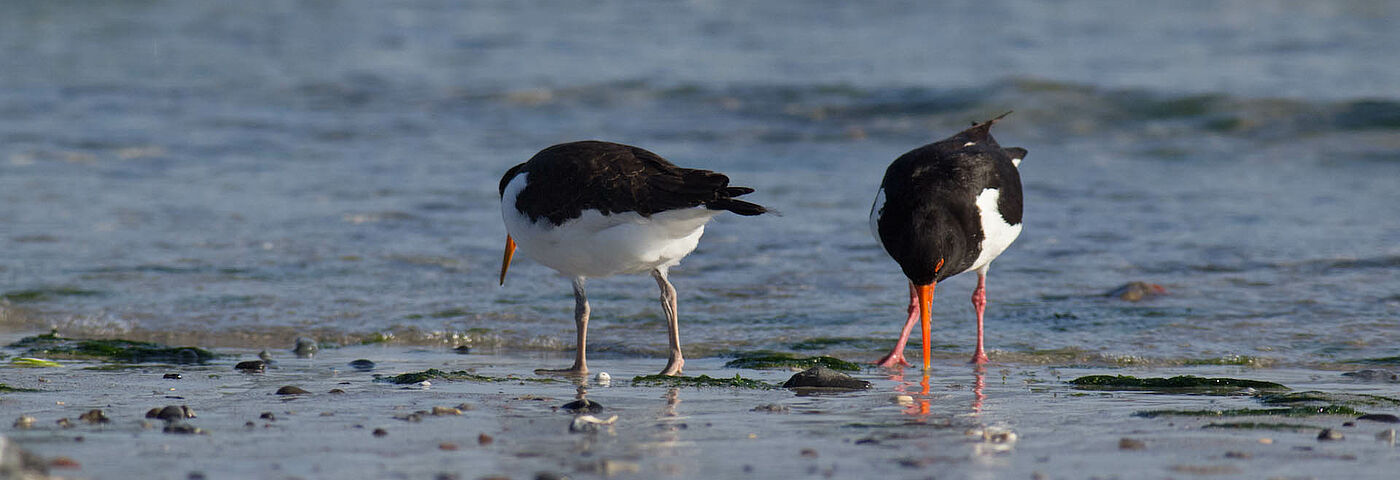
(594, 209)
(943, 209)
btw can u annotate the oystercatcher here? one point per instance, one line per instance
(594, 209)
(947, 208)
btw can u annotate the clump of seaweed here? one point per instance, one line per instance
(110, 350)
(700, 381)
(459, 375)
(1255, 412)
(1313, 397)
(767, 360)
(1178, 384)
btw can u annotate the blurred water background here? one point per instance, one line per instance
(237, 174)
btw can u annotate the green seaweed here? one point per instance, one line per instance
(33, 362)
(700, 381)
(1178, 384)
(1261, 426)
(1255, 412)
(461, 375)
(46, 293)
(1315, 397)
(111, 350)
(765, 360)
(1376, 361)
(8, 389)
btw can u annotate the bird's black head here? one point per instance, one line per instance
(505, 179)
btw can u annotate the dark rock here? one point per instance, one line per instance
(462, 350)
(64, 423)
(379, 432)
(305, 347)
(820, 379)
(484, 439)
(172, 376)
(292, 390)
(582, 405)
(94, 416)
(268, 416)
(1328, 435)
(550, 476)
(183, 428)
(336, 391)
(1374, 375)
(1380, 417)
(772, 408)
(1126, 443)
(1136, 291)
(1239, 455)
(171, 413)
(362, 365)
(251, 366)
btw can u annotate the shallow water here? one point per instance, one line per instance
(238, 175)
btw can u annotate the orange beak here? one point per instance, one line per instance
(505, 259)
(925, 293)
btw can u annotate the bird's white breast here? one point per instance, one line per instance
(997, 235)
(598, 245)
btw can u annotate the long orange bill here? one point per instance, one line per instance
(505, 259)
(925, 304)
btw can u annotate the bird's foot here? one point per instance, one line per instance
(979, 358)
(673, 368)
(893, 360)
(574, 371)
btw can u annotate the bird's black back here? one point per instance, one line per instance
(929, 222)
(566, 179)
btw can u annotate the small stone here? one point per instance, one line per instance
(1126, 443)
(251, 366)
(602, 378)
(447, 476)
(1266, 441)
(171, 413)
(1380, 417)
(465, 407)
(440, 411)
(808, 453)
(63, 462)
(904, 400)
(1239, 455)
(305, 347)
(582, 405)
(1136, 291)
(183, 428)
(336, 391)
(25, 422)
(195, 476)
(327, 414)
(363, 365)
(825, 379)
(1328, 435)
(379, 432)
(250, 425)
(618, 467)
(462, 350)
(94, 416)
(292, 390)
(447, 446)
(591, 424)
(484, 439)
(772, 408)
(269, 416)
(1348, 424)
(172, 376)
(64, 423)
(409, 417)
(1374, 375)
(550, 476)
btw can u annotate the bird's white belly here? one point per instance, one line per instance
(997, 235)
(597, 245)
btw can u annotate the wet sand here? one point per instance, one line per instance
(1010, 421)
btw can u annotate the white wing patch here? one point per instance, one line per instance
(997, 235)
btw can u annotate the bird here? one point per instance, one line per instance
(943, 209)
(592, 209)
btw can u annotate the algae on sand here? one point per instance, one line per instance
(700, 381)
(1178, 384)
(462, 375)
(110, 350)
(1314, 397)
(1255, 412)
(766, 360)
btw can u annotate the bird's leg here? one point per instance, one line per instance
(895, 358)
(979, 302)
(673, 327)
(581, 326)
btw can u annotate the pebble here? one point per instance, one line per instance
(64, 462)
(484, 439)
(465, 407)
(825, 379)
(583, 405)
(462, 350)
(251, 366)
(1328, 434)
(1136, 291)
(269, 416)
(171, 413)
(379, 432)
(172, 376)
(336, 391)
(447, 446)
(363, 365)
(590, 424)
(1126, 443)
(183, 428)
(1239, 455)
(25, 422)
(617, 467)
(440, 411)
(550, 476)
(64, 423)
(772, 408)
(602, 378)
(409, 417)
(94, 416)
(305, 347)
(1380, 417)
(808, 453)
(1374, 375)
(292, 390)
(904, 400)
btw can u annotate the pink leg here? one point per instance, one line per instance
(896, 357)
(979, 301)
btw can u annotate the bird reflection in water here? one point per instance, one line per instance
(921, 406)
